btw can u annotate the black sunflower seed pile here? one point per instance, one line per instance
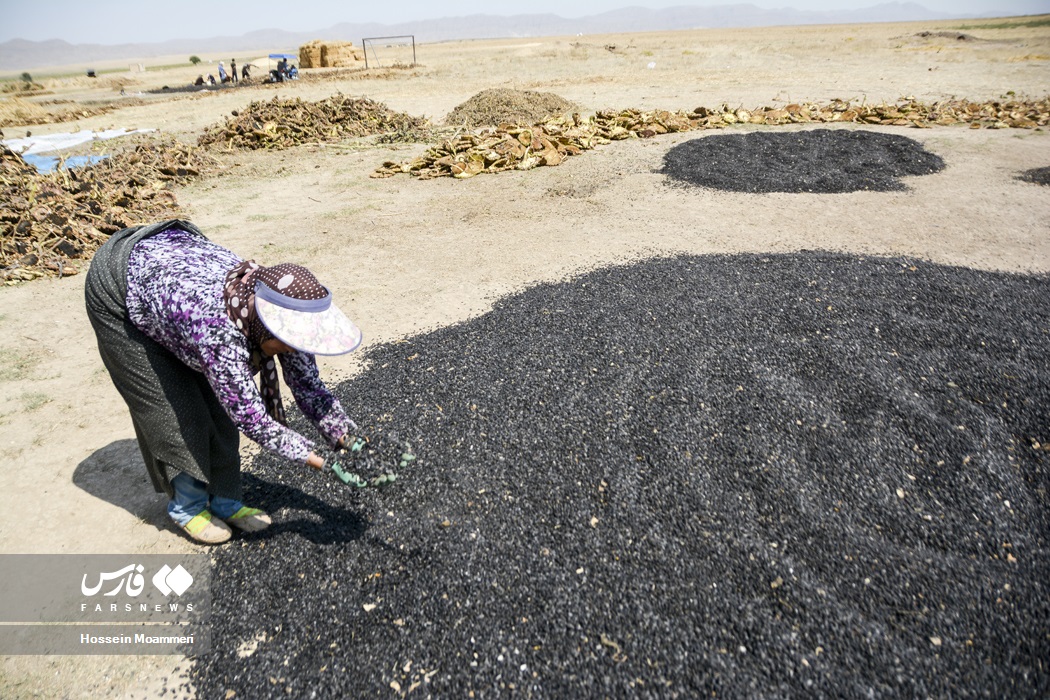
(807, 475)
(1037, 176)
(815, 160)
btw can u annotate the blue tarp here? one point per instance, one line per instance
(284, 55)
(45, 164)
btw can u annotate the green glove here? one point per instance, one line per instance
(354, 480)
(360, 448)
(354, 445)
(347, 477)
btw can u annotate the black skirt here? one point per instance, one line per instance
(179, 423)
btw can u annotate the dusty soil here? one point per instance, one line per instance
(403, 255)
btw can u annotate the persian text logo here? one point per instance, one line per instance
(133, 584)
(166, 580)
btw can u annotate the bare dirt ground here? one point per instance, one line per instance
(403, 255)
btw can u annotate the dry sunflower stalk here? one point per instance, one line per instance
(515, 146)
(284, 123)
(50, 222)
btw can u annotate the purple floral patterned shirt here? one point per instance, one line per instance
(175, 283)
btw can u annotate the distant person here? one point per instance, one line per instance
(233, 69)
(200, 80)
(245, 72)
(222, 73)
(211, 79)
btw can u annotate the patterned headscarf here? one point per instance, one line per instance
(292, 280)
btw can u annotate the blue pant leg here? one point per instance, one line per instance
(224, 507)
(191, 497)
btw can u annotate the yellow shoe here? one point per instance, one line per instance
(204, 528)
(249, 519)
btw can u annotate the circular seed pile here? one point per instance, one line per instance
(504, 106)
(760, 475)
(817, 160)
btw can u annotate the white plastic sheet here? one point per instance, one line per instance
(56, 142)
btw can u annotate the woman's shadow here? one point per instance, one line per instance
(116, 474)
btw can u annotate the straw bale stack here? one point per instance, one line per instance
(328, 54)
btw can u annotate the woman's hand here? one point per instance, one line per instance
(315, 461)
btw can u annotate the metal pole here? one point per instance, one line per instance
(377, 38)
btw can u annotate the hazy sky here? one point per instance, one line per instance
(120, 21)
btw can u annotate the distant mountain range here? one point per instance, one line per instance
(20, 54)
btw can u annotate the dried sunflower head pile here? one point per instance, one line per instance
(284, 123)
(522, 147)
(50, 222)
